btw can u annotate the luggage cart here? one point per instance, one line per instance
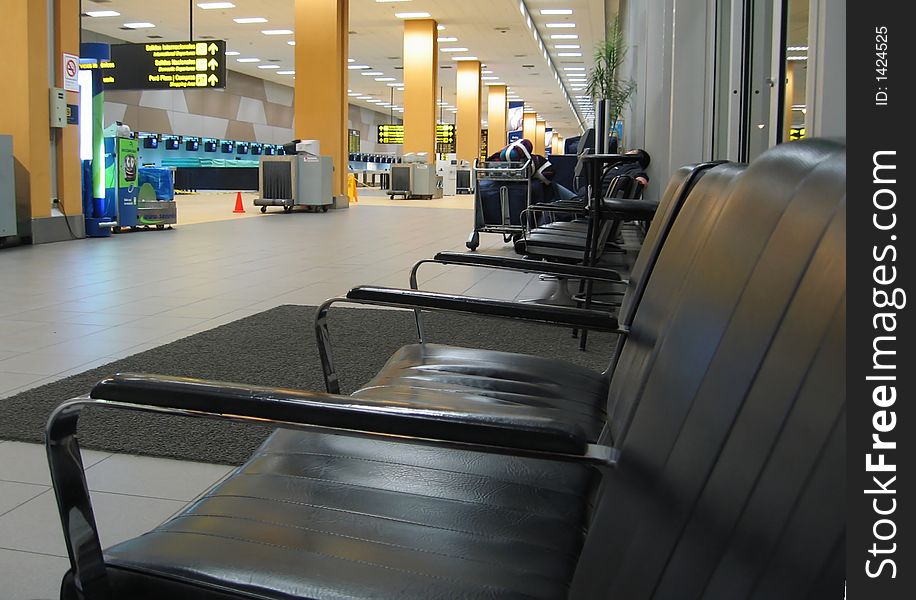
(504, 212)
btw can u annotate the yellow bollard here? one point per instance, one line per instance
(351, 188)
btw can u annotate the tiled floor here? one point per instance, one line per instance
(68, 307)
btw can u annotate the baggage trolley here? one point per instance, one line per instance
(502, 193)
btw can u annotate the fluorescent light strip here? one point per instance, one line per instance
(286, 72)
(385, 79)
(564, 36)
(569, 54)
(412, 15)
(232, 53)
(446, 40)
(246, 20)
(277, 31)
(556, 11)
(248, 60)
(490, 78)
(395, 85)
(453, 49)
(291, 42)
(268, 66)
(214, 5)
(372, 73)
(354, 94)
(103, 13)
(358, 67)
(139, 25)
(567, 46)
(573, 68)
(365, 98)
(464, 58)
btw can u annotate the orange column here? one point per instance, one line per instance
(69, 177)
(530, 127)
(421, 66)
(540, 137)
(24, 112)
(320, 101)
(468, 118)
(497, 113)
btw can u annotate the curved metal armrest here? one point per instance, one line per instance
(562, 316)
(527, 266)
(522, 432)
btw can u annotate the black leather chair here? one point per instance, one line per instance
(728, 451)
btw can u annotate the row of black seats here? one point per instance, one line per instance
(373, 158)
(704, 463)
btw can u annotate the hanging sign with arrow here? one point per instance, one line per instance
(165, 66)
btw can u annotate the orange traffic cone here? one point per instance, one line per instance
(238, 203)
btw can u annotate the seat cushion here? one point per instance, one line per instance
(432, 372)
(326, 516)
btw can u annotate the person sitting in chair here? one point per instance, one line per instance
(635, 169)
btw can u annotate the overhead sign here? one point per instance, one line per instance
(71, 69)
(394, 134)
(164, 65)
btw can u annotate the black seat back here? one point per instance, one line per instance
(733, 461)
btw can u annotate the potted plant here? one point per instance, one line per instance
(610, 93)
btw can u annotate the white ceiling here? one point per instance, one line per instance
(492, 30)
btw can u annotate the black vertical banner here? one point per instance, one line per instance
(881, 541)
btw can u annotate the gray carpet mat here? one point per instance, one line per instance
(273, 348)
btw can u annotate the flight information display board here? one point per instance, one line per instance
(164, 66)
(394, 134)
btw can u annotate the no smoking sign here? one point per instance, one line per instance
(71, 73)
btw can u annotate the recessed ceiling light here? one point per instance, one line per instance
(567, 46)
(560, 25)
(443, 40)
(453, 49)
(291, 42)
(139, 25)
(564, 36)
(569, 54)
(232, 53)
(440, 27)
(214, 5)
(358, 67)
(464, 58)
(103, 13)
(248, 60)
(245, 20)
(412, 15)
(277, 31)
(556, 11)
(385, 79)
(490, 78)
(395, 85)
(365, 98)
(372, 73)
(286, 72)
(486, 72)
(354, 94)
(573, 68)
(268, 66)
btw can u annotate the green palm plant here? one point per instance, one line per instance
(604, 81)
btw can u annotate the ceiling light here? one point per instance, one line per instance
(573, 68)
(277, 31)
(138, 25)
(796, 58)
(248, 60)
(453, 49)
(358, 67)
(354, 94)
(365, 98)
(103, 13)
(556, 11)
(791, 48)
(569, 54)
(372, 73)
(245, 20)
(385, 79)
(232, 53)
(487, 72)
(412, 15)
(560, 25)
(496, 83)
(446, 39)
(464, 58)
(567, 46)
(490, 78)
(268, 66)
(395, 85)
(291, 42)
(286, 72)
(213, 5)
(440, 27)
(564, 36)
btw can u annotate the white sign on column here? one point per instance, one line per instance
(71, 69)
